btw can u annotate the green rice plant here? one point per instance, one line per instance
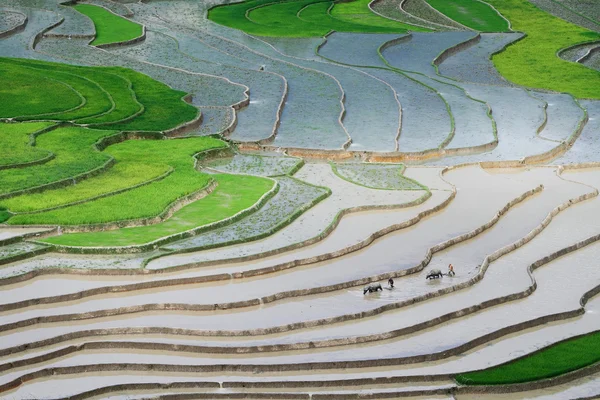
(24, 93)
(114, 97)
(376, 176)
(16, 146)
(533, 61)
(4, 215)
(123, 175)
(358, 12)
(233, 194)
(548, 362)
(319, 13)
(97, 100)
(234, 16)
(474, 14)
(391, 9)
(282, 19)
(142, 202)
(253, 164)
(110, 28)
(120, 89)
(304, 18)
(108, 97)
(74, 155)
(163, 106)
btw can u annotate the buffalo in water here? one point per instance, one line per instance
(373, 287)
(434, 274)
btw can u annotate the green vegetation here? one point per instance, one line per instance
(473, 14)
(4, 215)
(74, 155)
(323, 14)
(163, 107)
(358, 12)
(142, 202)
(115, 97)
(376, 176)
(110, 28)
(16, 146)
(124, 175)
(533, 61)
(97, 101)
(253, 164)
(23, 96)
(551, 361)
(304, 18)
(233, 194)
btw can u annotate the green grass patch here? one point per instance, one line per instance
(304, 18)
(15, 143)
(233, 194)
(145, 201)
(74, 155)
(114, 97)
(533, 61)
(551, 361)
(472, 13)
(110, 28)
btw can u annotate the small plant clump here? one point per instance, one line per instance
(256, 165)
(377, 176)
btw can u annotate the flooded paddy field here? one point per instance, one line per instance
(379, 210)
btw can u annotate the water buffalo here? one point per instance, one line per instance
(434, 274)
(373, 287)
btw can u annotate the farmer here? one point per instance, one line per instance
(391, 283)
(451, 270)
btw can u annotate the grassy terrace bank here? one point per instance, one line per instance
(533, 61)
(551, 361)
(472, 13)
(110, 28)
(304, 18)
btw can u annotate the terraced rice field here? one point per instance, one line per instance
(110, 28)
(195, 198)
